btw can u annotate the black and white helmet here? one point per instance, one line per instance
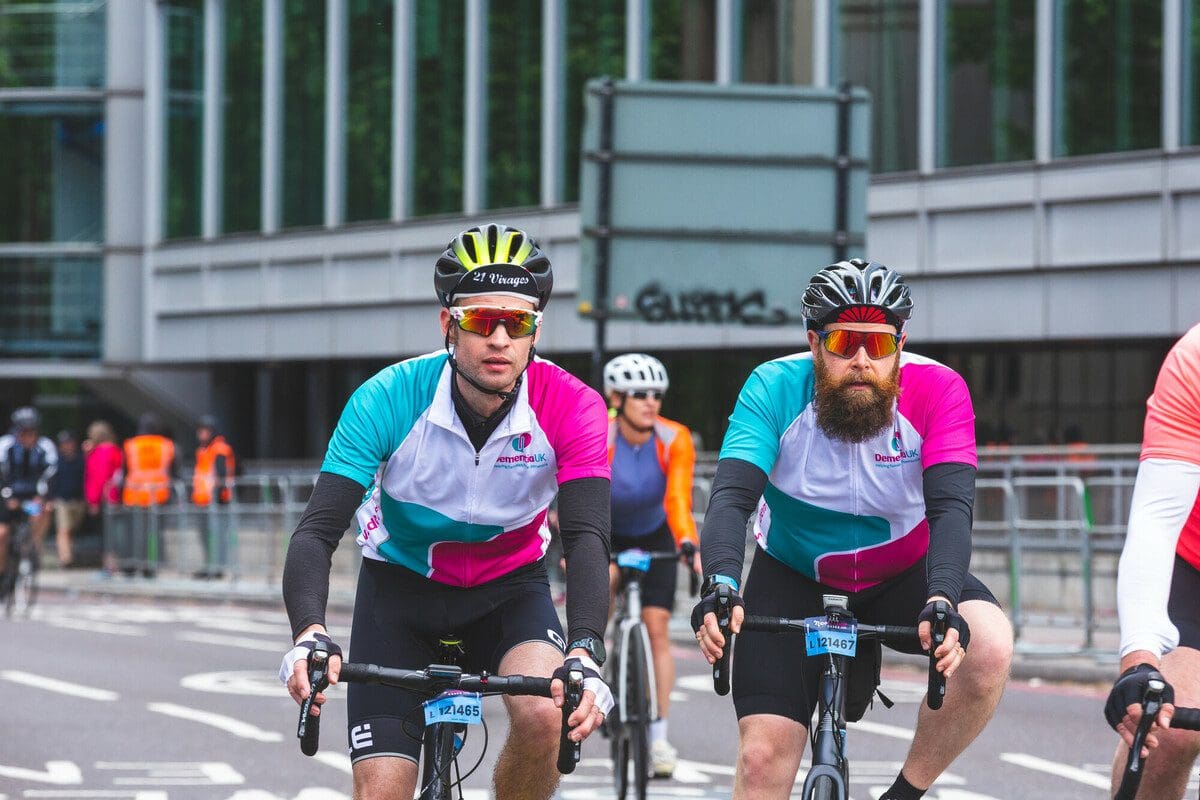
(857, 291)
(634, 372)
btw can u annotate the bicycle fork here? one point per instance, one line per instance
(829, 738)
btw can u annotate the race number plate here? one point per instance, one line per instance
(634, 559)
(454, 706)
(821, 637)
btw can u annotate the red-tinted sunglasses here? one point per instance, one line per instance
(845, 344)
(484, 320)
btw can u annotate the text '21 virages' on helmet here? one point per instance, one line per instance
(634, 372)
(493, 259)
(857, 291)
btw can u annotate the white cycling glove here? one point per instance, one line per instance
(301, 651)
(592, 682)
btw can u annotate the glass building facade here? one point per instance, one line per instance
(289, 115)
(52, 178)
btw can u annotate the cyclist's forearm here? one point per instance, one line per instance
(949, 501)
(583, 517)
(310, 552)
(736, 490)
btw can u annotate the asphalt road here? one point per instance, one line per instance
(169, 700)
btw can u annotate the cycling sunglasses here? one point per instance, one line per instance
(484, 320)
(642, 394)
(845, 344)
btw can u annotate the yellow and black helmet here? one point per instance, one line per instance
(493, 259)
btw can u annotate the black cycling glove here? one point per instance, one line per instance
(302, 650)
(708, 603)
(953, 620)
(1130, 689)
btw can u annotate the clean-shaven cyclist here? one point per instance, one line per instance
(652, 459)
(860, 460)
(1158, 579)
(459, 454)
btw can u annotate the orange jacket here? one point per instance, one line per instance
(677, 457)
(204, 479)
(147, 470)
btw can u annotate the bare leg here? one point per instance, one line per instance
(62, 542)
(527, 768)
(971, 696)
(657, 621)
(385, 778)
(769, 751)
(1170, 764)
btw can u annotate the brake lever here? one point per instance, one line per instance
(309, 728)
(569, 752)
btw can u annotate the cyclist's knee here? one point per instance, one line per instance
(535, 720)
(765, 757)
(384, 778)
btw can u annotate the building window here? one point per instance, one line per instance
(985, 84)
(52, 181)
(1191, 72)
(595, 47)
(369, 110)
(878, 49)
(53, 307)
(777, 40)
(1108, 76)
(185, 107)
(303, 113)
(683, 37)
(514, 103)
(241, 183)
(438, 108)
(52, 45)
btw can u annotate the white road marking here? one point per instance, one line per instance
(336, 760)
(60, 773)
(1055, 768)
(309, 793)
(174, 773)
(201, 637)
(95, 626)
(62, 687)
(227, 724)
(75, 794)
(879, 729)
(282, 631)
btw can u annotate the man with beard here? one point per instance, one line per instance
(861, 461)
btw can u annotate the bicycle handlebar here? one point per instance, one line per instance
(435, 679)
(888, 634)
(684, 553)
(1135, 764)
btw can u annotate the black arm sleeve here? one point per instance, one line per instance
(583, 522)
(949, 507)
(736, 490)
(310, 553)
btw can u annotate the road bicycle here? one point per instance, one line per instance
(630, 671)
(834, 637)
(19, 581)
(1135, 764)
(454, 703)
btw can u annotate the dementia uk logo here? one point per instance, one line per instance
(899, 455)
(519, 444)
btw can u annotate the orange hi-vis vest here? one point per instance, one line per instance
(677, 459)
(204, 479)
(147, 470)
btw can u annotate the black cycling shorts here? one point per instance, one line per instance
(399, 617)
(1183, 607)
(771, 672)
(658, 585)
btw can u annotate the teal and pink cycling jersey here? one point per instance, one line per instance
(848, 515)
(436, 506)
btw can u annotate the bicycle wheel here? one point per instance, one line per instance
(823, 788)
(637, 693)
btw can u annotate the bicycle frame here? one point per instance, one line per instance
(628, 624)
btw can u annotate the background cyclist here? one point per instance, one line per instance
(27, 463)
(652, 461)
(864, 459)
(460, 453)
(1158, 580)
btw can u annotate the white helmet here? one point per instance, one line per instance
(635, 371)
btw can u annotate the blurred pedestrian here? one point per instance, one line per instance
(66, 493)
(212, 489)
(149, 465)
(101, 477)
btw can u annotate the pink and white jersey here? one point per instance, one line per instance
(434, 504)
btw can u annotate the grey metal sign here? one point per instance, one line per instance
(705, 203)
